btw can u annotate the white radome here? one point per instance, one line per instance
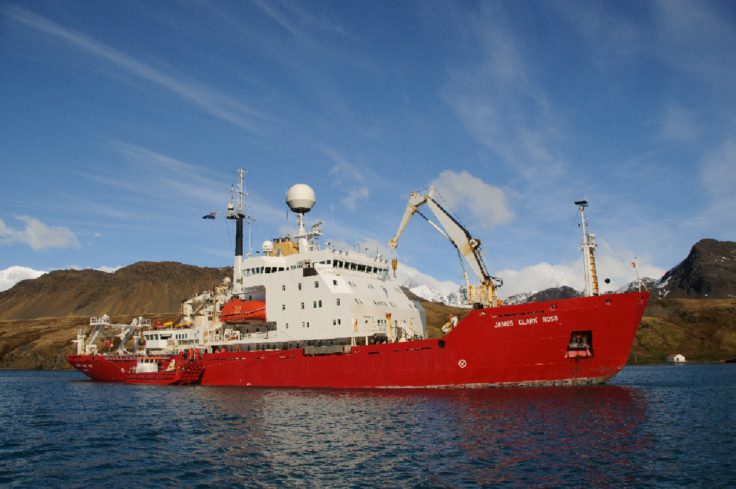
(300, 198)
(267, 246)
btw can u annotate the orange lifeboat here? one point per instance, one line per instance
(239, 311)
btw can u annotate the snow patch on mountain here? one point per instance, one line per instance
(428, 287)
(12, 275)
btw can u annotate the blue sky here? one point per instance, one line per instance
(124, 122)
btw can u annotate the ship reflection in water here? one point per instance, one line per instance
(548, 436)
(653, 427)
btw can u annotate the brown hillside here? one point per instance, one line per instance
(700, 329)
(144, 287)
(44, 343)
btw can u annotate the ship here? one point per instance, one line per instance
(299, 314)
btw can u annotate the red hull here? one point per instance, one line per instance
(511, 345)
(123, 369)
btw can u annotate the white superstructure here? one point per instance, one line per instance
(314, 297)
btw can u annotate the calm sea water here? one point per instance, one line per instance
(663, 426)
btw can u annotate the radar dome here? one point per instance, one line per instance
(267, 246)
(300, 198)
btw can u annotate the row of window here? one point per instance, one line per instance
(299, 285)
(305, 324)
(337, 264)
(315, 304)
(354, 266)
(177, 336)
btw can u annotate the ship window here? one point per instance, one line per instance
(316, 284)
(338, 301)
(307, 324)
(314, 304)
(283, 287)
(334, 282)
(334, 322)
(339, 321)
(319, 303)
(361, 268)
(283, 307)
(287, 325)
(299, 286)
(302, 305)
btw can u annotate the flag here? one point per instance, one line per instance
(211, 215)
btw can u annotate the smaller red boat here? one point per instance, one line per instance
(182, 369)
(240, 311)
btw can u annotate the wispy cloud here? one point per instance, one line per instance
(692, 37)
(496, 100)
(206, 99)
(159, 177)
(486, 203)
(718, 177)
(355, 195)
(37, 235)
(678, 125)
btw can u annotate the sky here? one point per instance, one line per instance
(123, 123)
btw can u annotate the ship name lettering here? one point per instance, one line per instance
(549, 319)
(504, 324)
(524, 322)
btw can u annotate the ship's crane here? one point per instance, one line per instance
(466, 246)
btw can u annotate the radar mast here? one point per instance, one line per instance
(588, 247)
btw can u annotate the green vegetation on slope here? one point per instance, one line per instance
(701, 329)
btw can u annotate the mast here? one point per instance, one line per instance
(588, 247)
(635, 264)
(237, 213)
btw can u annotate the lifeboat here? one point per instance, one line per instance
(239, 311)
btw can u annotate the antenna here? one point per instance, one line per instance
(588, 247)
(237, 213)
(635, 264)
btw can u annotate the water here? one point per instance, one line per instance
(663, 426)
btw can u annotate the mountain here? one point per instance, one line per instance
(647, 283)
(550, 294)
(12, 275)
(144, 287)
(708, 271)
(701, 329)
